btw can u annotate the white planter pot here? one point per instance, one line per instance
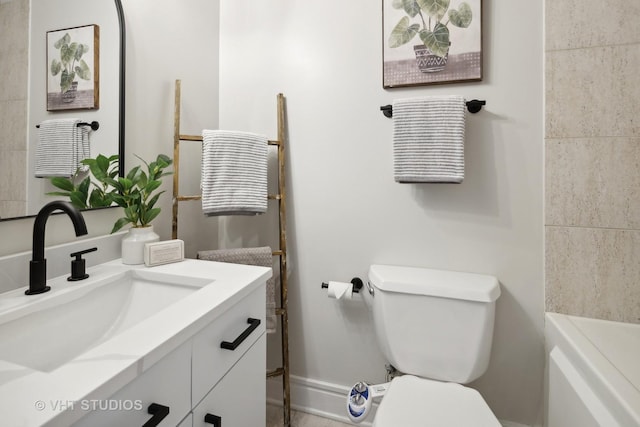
(133, 244)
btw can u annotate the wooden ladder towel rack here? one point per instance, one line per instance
(281, 252)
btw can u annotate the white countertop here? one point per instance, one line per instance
(27, 396)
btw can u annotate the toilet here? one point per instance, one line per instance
(436, 328)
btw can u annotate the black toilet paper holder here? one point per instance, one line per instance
(356, 283)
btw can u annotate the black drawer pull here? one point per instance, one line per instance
(253, 324)
(159, 413)
(213, 419)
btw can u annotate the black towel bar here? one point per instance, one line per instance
(94, 125)
(473, 106)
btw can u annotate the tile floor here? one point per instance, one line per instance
(299, 419)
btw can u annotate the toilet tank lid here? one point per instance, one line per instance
(438, 283)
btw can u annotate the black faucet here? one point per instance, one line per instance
(38, 264)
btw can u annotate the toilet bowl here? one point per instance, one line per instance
(436, 327)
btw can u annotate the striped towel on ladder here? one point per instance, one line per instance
(234, 173)
(428, 139)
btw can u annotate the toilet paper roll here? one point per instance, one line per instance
(340, 290)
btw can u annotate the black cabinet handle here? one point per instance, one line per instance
(159, 413)
(215, 420)
(253, 324)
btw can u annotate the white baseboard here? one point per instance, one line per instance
(324, 399)
(315, 397)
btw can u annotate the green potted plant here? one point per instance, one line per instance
(424, 18)
(82, 191)
(70, 66)
(137, 193)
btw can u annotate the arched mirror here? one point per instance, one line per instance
(26, 33)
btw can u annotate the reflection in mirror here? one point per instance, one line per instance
(23, 91)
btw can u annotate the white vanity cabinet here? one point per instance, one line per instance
(187, 422)
(165, 385)
(210, 361)
(161, 338)
(229, 384)
(239, 399)
(202, 377)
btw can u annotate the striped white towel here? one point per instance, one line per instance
(62, 145)
(234, 173)
(262, 256)
(428, 139)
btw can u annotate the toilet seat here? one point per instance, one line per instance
(411, 401)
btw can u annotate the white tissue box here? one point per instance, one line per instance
(165, 252)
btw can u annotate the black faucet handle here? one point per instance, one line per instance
(79, 254)
(78, 265)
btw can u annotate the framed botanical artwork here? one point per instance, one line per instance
(73, 68)
(431, 42)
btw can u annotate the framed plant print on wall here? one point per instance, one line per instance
(431, 42)
(73, 68)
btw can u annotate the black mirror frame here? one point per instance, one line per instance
(121, 100)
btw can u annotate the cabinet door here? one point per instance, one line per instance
(187, 422)
(210, 361)
(166, 384)
(239, 399)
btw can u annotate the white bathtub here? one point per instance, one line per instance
(593, 372)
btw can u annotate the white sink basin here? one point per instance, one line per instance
(53, 329)
(86, 340)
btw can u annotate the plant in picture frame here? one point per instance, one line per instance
(70, 63)
(429, 20)
(73, 62)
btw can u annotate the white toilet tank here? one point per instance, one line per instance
(433, 323)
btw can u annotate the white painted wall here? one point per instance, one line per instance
(169, 40)
(345, 210)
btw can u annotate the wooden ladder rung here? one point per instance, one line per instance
(188, 198)
(190, 137)
(277, 253)
(191, 198)
(199, 138)
(275, 373)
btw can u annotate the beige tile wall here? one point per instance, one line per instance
(592, 159)
(14, 36)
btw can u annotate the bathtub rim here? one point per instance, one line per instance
(615, 390)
